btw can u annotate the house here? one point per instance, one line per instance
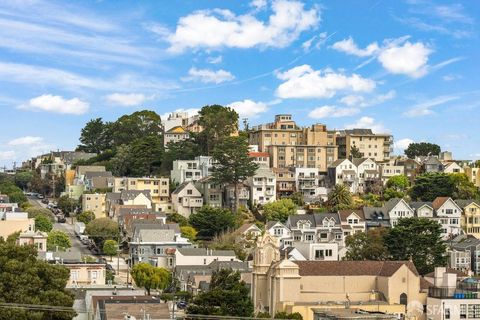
(352, 221)
(449, 214)
(174, 135)
(129, 307)
(343, 171)
(450, 298)
(248, 232)
(423, 209)
(390, 169)
(201, 256)
(191, 170)
(470, 222)
(126, 215)
(368, 173)
(464, 254)
(310, 184)
(186, 199)
(36, 238)
(280, 231)
(98, 180)
(212, 192)
(4, 198)
(8, 207)
(396, 209)
(262, 186)
(309, 286)
(376, 217)
(292, 254)
(432, 164)
(243, 195)
(473, 174)
(159, 187)
(452, 167)
(377, 146)
(136, 197)
(150, 245)
(94, 202)
(14, 221)
(411, 167)
(260, 158)
(286, 185)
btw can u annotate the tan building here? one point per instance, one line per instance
(85, 273)
(285, 182)
(377, 146)
(36, 238)
(292, 146)
(306, 286)
(159, 187)
(470, 222)
(94, 202)
(473, 175)
(11, 222)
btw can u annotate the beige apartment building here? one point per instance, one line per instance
(292, 146)
(377, 146)
(473, 175)
(159, 187)
(94, 202)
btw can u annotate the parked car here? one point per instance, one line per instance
(109, 268)
(45, 201)
(40, 196)
(61, 219)
(182, 304)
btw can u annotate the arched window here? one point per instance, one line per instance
(403, 299)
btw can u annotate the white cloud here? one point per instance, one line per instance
(332, 112)
(27, 140)
(208, 76)
(349, 47)
(248, 108)
(215, 60)
(126, 99)
(352, 100)
(304, 82)
(57, 104)
(451, 77)
(367, 123)
(424, 108)
(402, 144)
(7, 155)
(218, 28)
(410, 59)
(397, 56)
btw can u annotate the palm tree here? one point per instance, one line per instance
(340, 197)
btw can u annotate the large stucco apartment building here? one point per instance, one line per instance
(290, 145)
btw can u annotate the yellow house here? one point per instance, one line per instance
(308, 286)
(471, 216)
(159, 187)
(94, 202)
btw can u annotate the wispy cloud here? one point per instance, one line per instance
(425, 108)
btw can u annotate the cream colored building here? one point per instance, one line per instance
(36, 238)
(292, 146)
(85, 274)
(159, 187)
(470, 222)
(377, 146)
(94, 202)
(11, 222)
(473, 175)
(303, 286)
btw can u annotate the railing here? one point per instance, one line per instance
(452, 293)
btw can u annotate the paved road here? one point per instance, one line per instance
(67, 227)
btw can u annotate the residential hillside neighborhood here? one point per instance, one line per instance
(312, 222)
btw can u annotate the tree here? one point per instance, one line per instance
(391, 193)
(86, 217)
(279, 210)
(418, 239)
(229, 241)
(367, 245)
(58, 240)
(138, 125)
(218, 123)
(177, 218)
(422, 149)
(227, 296)
(429, 186)
(463, 188)
(33, 212)
(232, 164)
(110, 248)
(340, 197)
(211, 221)
(146, 156)
(102, 229)
(149, 277)
(28, 280)
(285, 315)
(14, 193)
(297, 198)
(66, 204)
(398, 183)
(95, 137)
(355, 152)
(182, 150)
(189, 232)
(120, 163)
(43, 223)
(23, 178)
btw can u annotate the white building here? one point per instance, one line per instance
(452, 167)
(367, 172)
(191, 170)
(343, 171)
(449, 215)
(397, 209)
(280, 231)
(201, 256)
(307, 181)
(263, 186)
(186, 199)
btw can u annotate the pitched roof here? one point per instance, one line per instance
(462, 203)
(96, 174)
(432, 161)
(181, 187)
(244, 227)
(113, 196)
(337, 162)
(270, 224)
(154, 235)
(344, 214)
(127, 195)
(177, 129)
(438, 202)
(390, 204)
(352, 268)
(359, 131)
(418, 204)
(375, 213)
(358, 161)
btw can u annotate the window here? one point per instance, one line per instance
(338, 236)
(463, 311)
(323, 235)
(155, 183)
(449, 211)
(473, 311)
(189, 191)
(308, 237)
(278, 231)
(447, 313)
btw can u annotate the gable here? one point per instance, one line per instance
(401, 206)
(353, 216)
(449, 204)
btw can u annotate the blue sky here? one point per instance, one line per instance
(405, 67)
